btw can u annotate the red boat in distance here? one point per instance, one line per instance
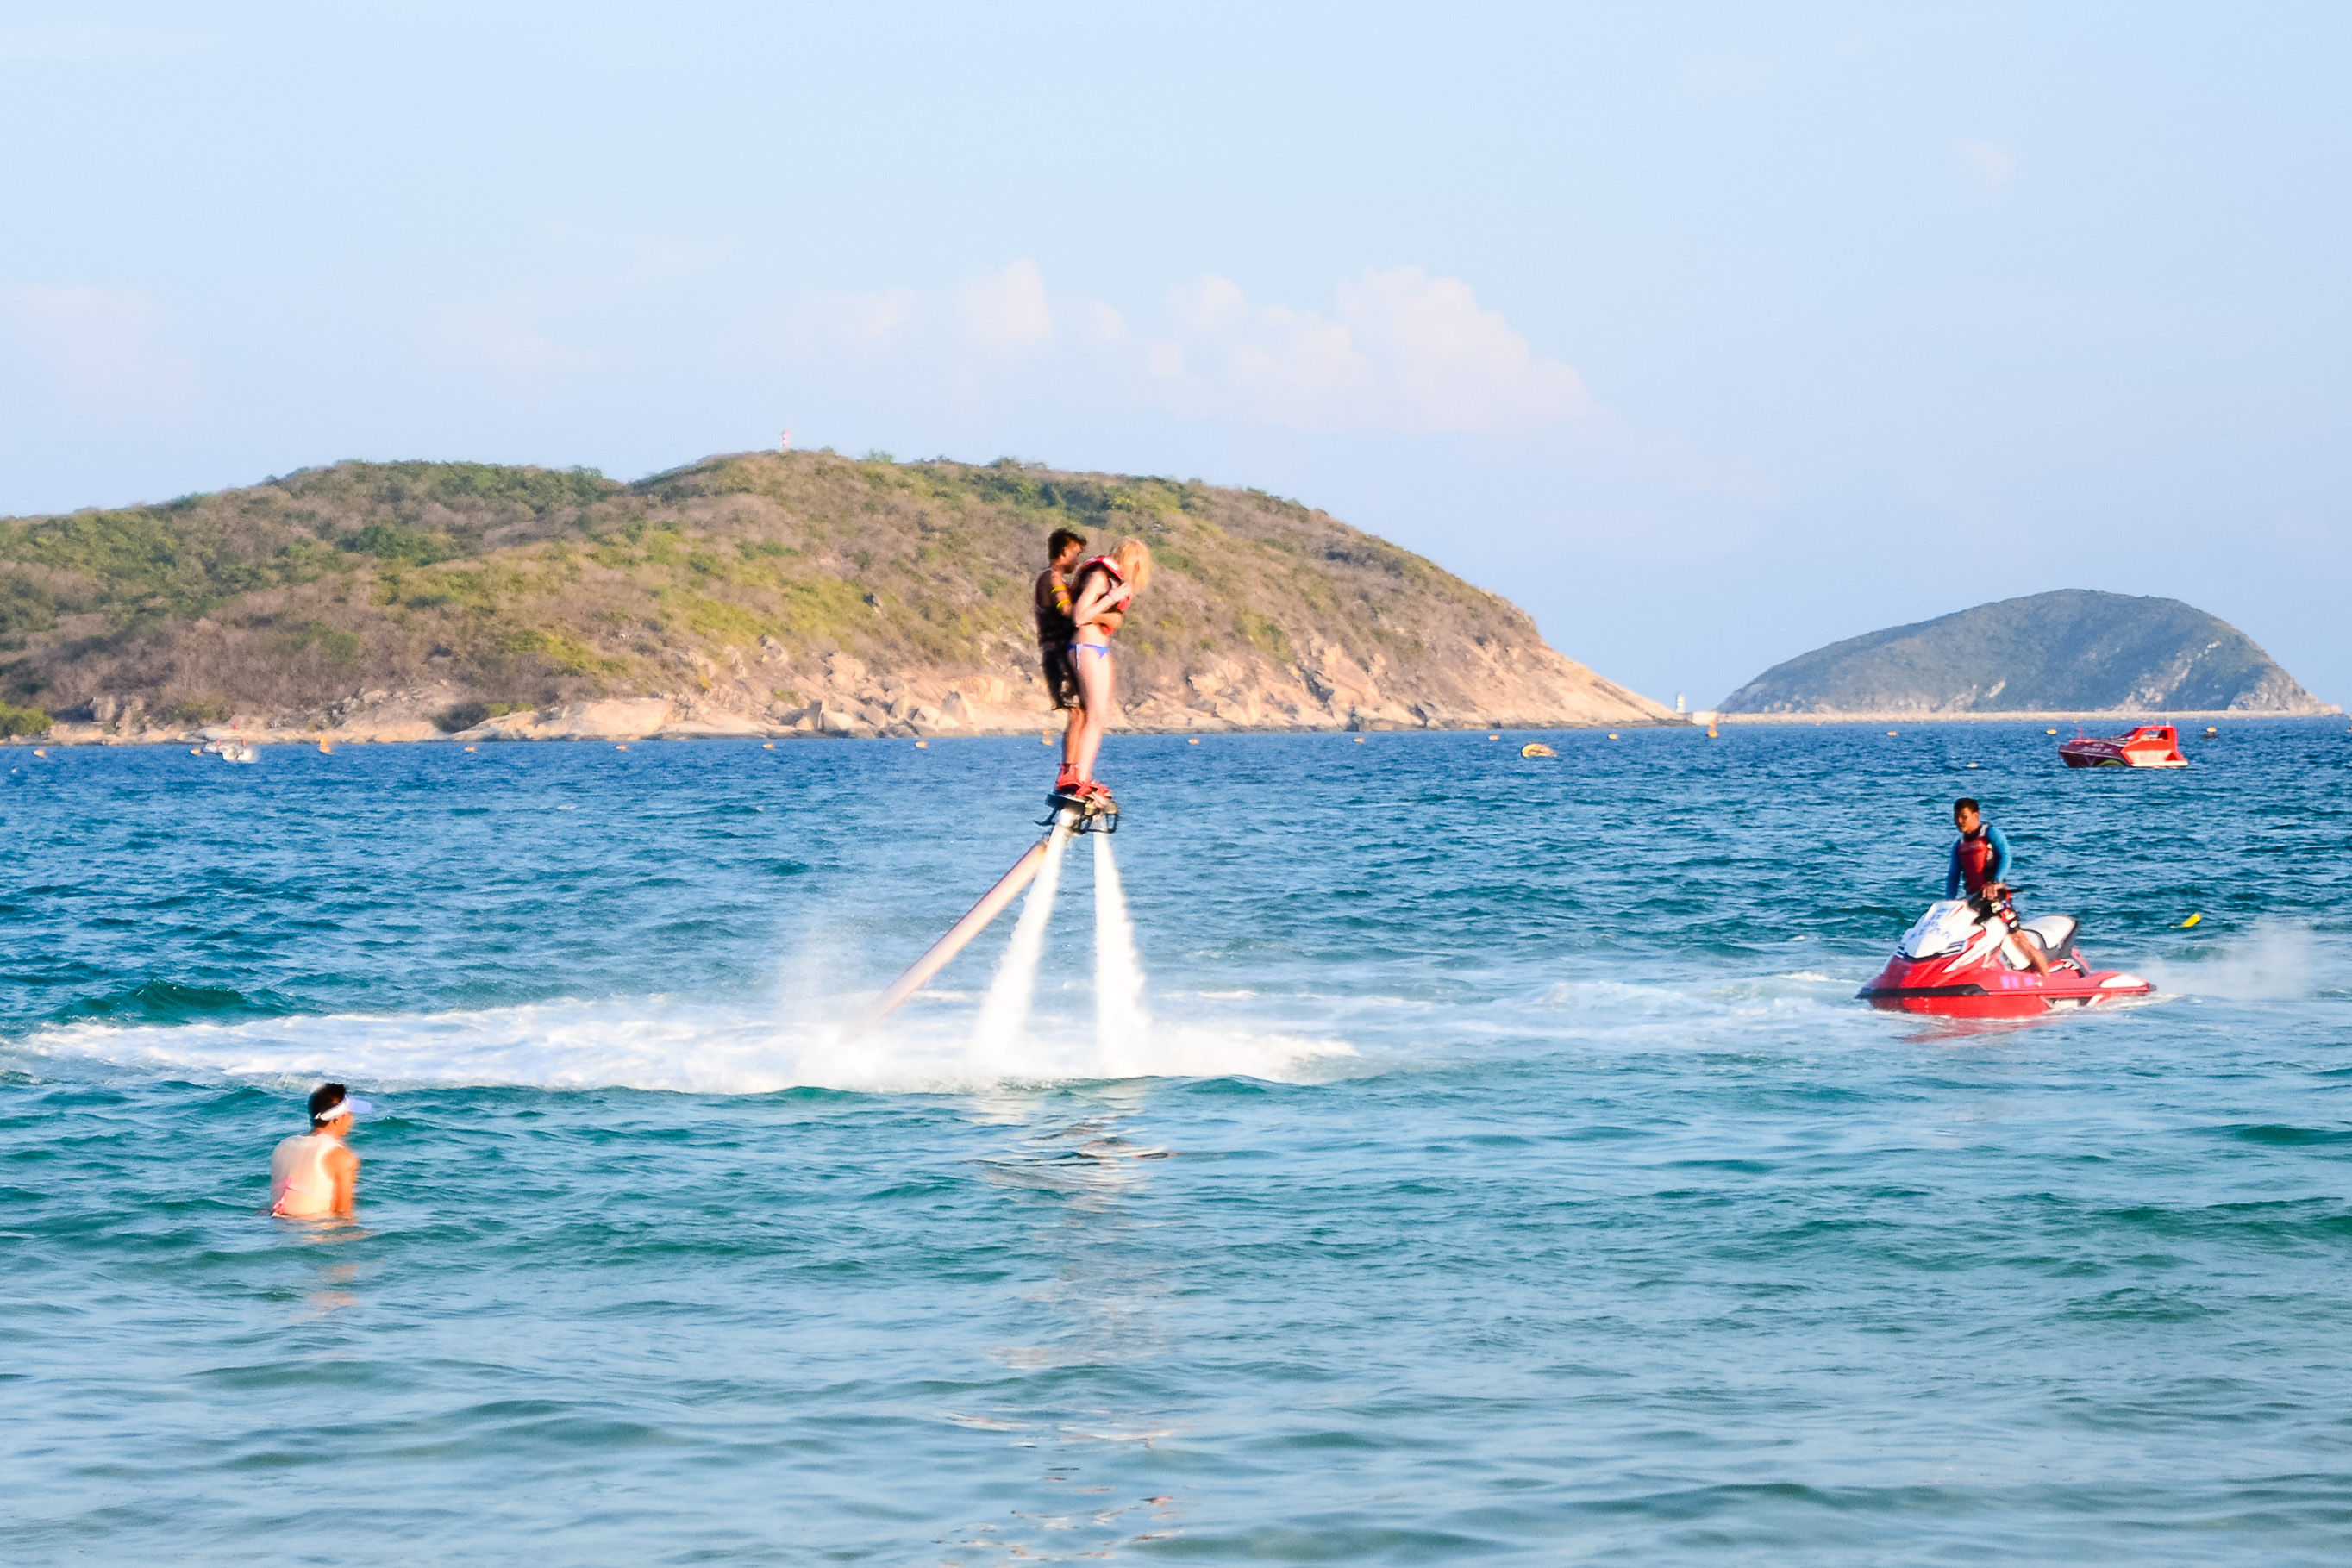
(2148, 746)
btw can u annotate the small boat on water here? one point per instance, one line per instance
(231, 749)
(2147, 746)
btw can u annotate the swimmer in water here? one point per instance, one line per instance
(1106, 588)
(312, 1175)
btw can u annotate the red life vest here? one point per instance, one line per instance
(1117, 576)
(1117, 604)
(1975, 851)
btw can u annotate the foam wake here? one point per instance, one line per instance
(2271, 960)
(662, 1043)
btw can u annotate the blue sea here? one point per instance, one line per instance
(1503, 1173)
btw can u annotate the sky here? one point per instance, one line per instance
(1708, 334)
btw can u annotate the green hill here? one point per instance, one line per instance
(2069, 652)
(787, 593)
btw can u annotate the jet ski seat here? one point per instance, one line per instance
(2055, 933)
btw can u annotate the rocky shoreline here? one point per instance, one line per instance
(733, 696)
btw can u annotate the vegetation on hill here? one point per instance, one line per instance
(2073, 651)
(527, 587)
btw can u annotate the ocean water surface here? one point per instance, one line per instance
(1498, 1167)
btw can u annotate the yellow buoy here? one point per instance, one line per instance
(1360, 741)
(1494, 737)
(2049, 732)
(2211, 730)
(1712, 733)
(39, 751)
(1613, 735)
(1194, 740)
(326, 751)
(1537, 749)
(620, 748)
(767, 745)
(2192, 921)
(1044, 737)
(1893, 732)
(469, 749)
(923, 745)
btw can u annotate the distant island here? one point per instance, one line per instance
(2070, 651)
(764, 593)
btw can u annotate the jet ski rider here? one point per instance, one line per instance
(1980, 863)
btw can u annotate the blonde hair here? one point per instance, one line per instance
(1134, 558)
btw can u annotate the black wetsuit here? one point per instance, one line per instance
(1051, 600)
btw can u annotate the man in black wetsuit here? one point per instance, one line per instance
(1050, 597)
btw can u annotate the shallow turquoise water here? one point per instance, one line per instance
(1507, 1173)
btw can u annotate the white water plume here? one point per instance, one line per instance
(1122, 1029)
(664, 1043)
(2275, 960)
(1004, 1014)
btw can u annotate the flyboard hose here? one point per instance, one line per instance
(1069, 817)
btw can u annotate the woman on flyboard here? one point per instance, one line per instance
(1105, 589)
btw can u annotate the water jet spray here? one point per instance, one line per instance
(1065, 815)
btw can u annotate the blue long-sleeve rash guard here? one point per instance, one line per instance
(1952, 878)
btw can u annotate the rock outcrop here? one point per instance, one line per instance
(2069, 652)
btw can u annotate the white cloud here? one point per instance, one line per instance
(501, 338)
(1006, 310)
(1209, 304)
(1403, 352)
(102, 344)
(1163, 359)
(1990, 162)
(69, 43)
(865, 320)
(1398, 350)
(1105, 326)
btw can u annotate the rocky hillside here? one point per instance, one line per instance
(2068, 651)
(763, 593)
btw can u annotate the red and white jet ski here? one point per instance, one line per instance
(1961, 961)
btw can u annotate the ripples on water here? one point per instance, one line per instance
(1515, 1177)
